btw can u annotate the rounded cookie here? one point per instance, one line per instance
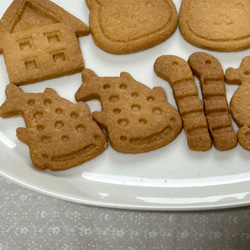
(218, 25)
(122, 27)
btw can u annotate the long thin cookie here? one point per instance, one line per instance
(211, 76)
(177, 72)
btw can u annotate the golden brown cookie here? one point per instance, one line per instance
(177, 72)
(59, 134)
(39, 41)
(218, 25)
(240, 102)
(211, 76)
(137, 118)
(122, 27)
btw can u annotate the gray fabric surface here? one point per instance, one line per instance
(29, 220)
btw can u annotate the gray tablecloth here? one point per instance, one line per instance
(30, 220)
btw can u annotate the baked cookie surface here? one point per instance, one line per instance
(39, 41)
(218, 25)
(240, 102)
(60, 134)
(137, 118)
(122, 27)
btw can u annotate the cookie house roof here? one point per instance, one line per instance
(26, 14)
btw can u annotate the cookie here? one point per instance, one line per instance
(211, 76)
(122, 27)
(177, 72)
(39, 41)
(60, 134)
(218, 25)
(137, 118)
(240, 101)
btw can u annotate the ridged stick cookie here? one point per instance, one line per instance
(211, 76)
(177, 72)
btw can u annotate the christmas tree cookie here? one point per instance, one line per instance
(137, 118)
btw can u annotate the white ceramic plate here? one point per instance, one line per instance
(170, 178)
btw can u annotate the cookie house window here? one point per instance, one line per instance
(58, 56)
(30, 64)
(53, 37)
(25, 44)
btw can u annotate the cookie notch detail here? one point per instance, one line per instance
(122, 27)
(39, 41)
(137, 118)
(60, 134)
(217, 25)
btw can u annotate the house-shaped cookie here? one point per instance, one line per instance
(39, 41)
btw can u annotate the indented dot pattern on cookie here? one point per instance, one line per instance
(31, 102)
(131, 112)
(38, 115)
(117, 111)
(123, 122)
(136, 107)
(47, 102)
(40, 128)
(106, 86)
(80, 128)
(59, 111)
(143, 121)
(157, 111)
(74, 115)
(60, 134)
(59, 124)
(134, 94)
(114, 98)
(150, 98)
(46, 139)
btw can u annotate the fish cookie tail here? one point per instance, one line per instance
(244, 137)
